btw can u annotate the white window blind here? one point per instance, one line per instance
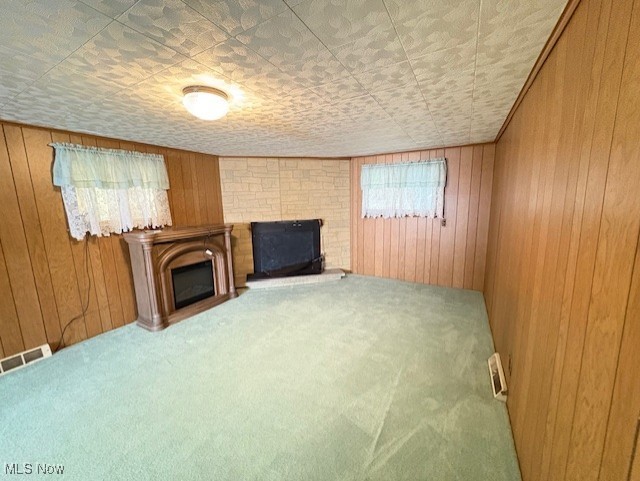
(404, 190)
(110, 191)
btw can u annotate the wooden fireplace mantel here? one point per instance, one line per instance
(154, 253)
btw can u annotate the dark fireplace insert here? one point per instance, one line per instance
(192, 283)
(286, 248)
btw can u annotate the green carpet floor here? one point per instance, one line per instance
(358, 379)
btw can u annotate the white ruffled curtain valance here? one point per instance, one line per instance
(404, 190)
(110, 191)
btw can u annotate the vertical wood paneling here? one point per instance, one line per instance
(43, 275)
(560, 281)
(462, 217)
(472, 216)
(435, 233)
(368, 232)
(54, 231)
(582, 251)
(92, 271)
(83, 273)
(546, 300)
(402, 233)
(187, 181)
(572, 111)
(195, 189)
(97, 272)
(410, 243)
(379, 233)
(617, 241)
(214, 206)
(10, 333)
(421, 237)
(213, 191)
(484, 216)
(448, 234)
(634, 475)
(354, 224)
(123, 264)
(125, 278)
(203, 182)
(117, 270)
(555, 263)
(533, 306)
(360, 241)
(32, 228)
(96, 265)
(411, 235)
(625, 404)
(495, 215)
(388, 227)
(17, 257)
(418, 249)
(105, 252)
(179, 213)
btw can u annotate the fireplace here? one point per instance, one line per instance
(179, 272)
(192, 283)
(286, 248)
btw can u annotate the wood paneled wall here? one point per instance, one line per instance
(635, 469)
(563, 270)
(44, 279)
(417, 249)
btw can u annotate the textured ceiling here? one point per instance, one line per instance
(307, 78)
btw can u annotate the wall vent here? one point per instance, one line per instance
(498, 381)
(17, 361)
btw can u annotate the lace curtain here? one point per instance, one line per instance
(401, 190)
(110, 191)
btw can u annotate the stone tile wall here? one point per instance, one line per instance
(267, 189)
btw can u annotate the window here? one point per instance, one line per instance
(404, 190)
(110, 191)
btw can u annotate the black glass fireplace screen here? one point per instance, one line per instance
(192, 283)
(286, 248)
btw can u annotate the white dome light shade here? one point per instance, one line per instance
(206, 103)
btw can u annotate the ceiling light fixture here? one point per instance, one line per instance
(206, 103)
